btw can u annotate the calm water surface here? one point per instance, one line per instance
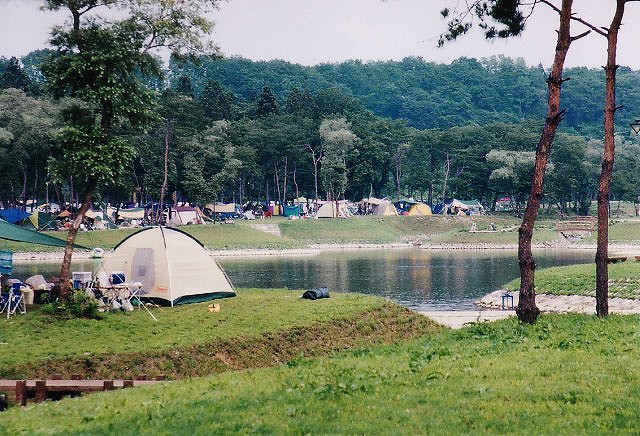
(416, 278)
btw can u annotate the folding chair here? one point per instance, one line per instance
(13, 301)
(136, 292)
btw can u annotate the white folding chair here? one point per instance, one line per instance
(136, 292)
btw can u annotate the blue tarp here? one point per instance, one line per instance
(13, 215)
(291, 210)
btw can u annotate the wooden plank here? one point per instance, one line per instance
(43, 389)
(78, 385)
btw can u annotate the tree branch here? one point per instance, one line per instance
(582, 35)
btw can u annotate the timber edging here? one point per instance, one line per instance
(41, 390)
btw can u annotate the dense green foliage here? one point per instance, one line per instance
(251, 132)
(475, 380)
(434, 96)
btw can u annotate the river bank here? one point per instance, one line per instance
(626, 249)
(617, 249)
(562, 303)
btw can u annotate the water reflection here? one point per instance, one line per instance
(419, 279)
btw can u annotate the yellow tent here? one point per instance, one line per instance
(419, 209)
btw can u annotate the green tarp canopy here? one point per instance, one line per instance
(20, 234)
(291, 210)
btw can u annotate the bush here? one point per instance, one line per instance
(78, 305)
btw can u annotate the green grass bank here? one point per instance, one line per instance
(254, 329)
(360, 230)
(565, 374)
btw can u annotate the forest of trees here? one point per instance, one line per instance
(256, 131)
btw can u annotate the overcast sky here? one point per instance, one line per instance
(315, 31)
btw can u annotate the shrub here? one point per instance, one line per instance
(78, 305)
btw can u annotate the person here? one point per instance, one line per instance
(494, 228)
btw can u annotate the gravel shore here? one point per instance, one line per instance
(563, 303)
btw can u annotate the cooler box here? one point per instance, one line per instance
(80, 278)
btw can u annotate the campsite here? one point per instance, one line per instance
(285, 217)
(256, 328)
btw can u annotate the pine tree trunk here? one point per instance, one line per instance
(527, 310)
(65, 284)
(602, 252)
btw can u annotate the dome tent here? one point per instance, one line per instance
(173, 267)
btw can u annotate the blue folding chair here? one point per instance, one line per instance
(13, 301)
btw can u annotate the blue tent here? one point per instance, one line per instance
(13, 215)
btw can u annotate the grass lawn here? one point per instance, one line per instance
(565, 374)
(187, 340)
(624, 280)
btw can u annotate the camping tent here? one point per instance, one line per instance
(331, 209)
(471, 207)
(419, 209)
(40, 221)
(173, 266)
(291, 210)
(13, 215)
(184, 215)
(376, 206)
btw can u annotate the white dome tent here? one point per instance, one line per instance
(173, 267)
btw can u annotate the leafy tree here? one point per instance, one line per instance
(27, 126)
(101, 63)
(420, 173)
(209, 164)
(513, 175)
(338, 139)
(573, 183)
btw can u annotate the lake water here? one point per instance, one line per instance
(417, 278)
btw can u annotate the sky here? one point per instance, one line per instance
(310, 32)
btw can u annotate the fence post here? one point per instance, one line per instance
(41, 391)
(21, 392)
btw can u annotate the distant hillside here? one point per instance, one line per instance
(430, 95)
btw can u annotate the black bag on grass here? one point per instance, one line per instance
(315, 293)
